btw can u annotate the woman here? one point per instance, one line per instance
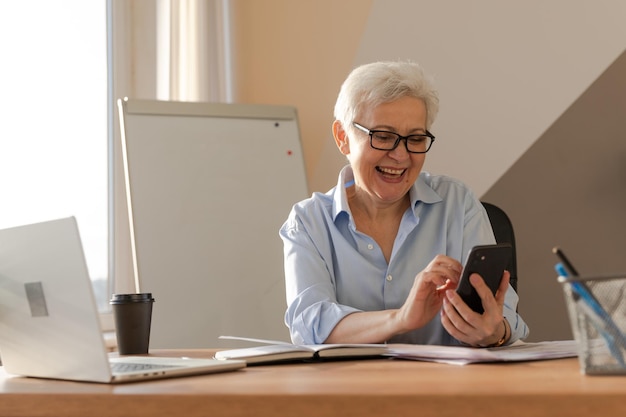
(376, 259)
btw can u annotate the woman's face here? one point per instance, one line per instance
(384, 177)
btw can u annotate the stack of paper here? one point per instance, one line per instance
(516, 352)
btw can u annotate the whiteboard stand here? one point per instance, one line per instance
(208, 187)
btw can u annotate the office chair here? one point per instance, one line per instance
(503, 231)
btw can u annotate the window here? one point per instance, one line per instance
(53, 135)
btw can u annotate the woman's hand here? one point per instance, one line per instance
(428, 293)
(470, 327)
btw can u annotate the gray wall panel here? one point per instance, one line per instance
(569, 189)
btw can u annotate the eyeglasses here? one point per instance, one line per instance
(388, 141)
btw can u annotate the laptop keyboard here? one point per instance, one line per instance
(123, 367)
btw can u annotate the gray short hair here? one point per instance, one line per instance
(383, 82)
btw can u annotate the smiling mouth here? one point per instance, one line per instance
(391, 173)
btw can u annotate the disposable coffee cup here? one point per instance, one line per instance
(133, 315)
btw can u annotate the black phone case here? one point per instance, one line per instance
(489, 261)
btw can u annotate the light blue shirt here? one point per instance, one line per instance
(332, 270)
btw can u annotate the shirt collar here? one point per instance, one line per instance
(340, 199)
(422, 192)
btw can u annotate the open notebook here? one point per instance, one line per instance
(49, 323)
(274, 351)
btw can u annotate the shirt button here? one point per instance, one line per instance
(389, 277)
(370, 246)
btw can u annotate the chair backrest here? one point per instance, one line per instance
(503, 231)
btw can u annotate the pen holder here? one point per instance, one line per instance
(597, 312)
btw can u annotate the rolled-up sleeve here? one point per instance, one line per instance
(312, 308)
(519, 329)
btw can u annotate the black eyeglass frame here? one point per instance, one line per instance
(398, 139)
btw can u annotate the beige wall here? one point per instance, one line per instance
(505, 70)
(298, 53)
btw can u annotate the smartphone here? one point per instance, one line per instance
(489, 261)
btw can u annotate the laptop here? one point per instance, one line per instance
(49, 322)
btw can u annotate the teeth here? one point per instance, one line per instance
(391, 171)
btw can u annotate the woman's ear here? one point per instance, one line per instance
(341, 138)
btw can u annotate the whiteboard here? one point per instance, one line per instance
(208, 187)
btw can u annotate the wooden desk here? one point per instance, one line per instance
(378, 387)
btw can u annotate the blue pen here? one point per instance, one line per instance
(600, 319)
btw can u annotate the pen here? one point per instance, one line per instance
(559, 253)
(600, 319)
